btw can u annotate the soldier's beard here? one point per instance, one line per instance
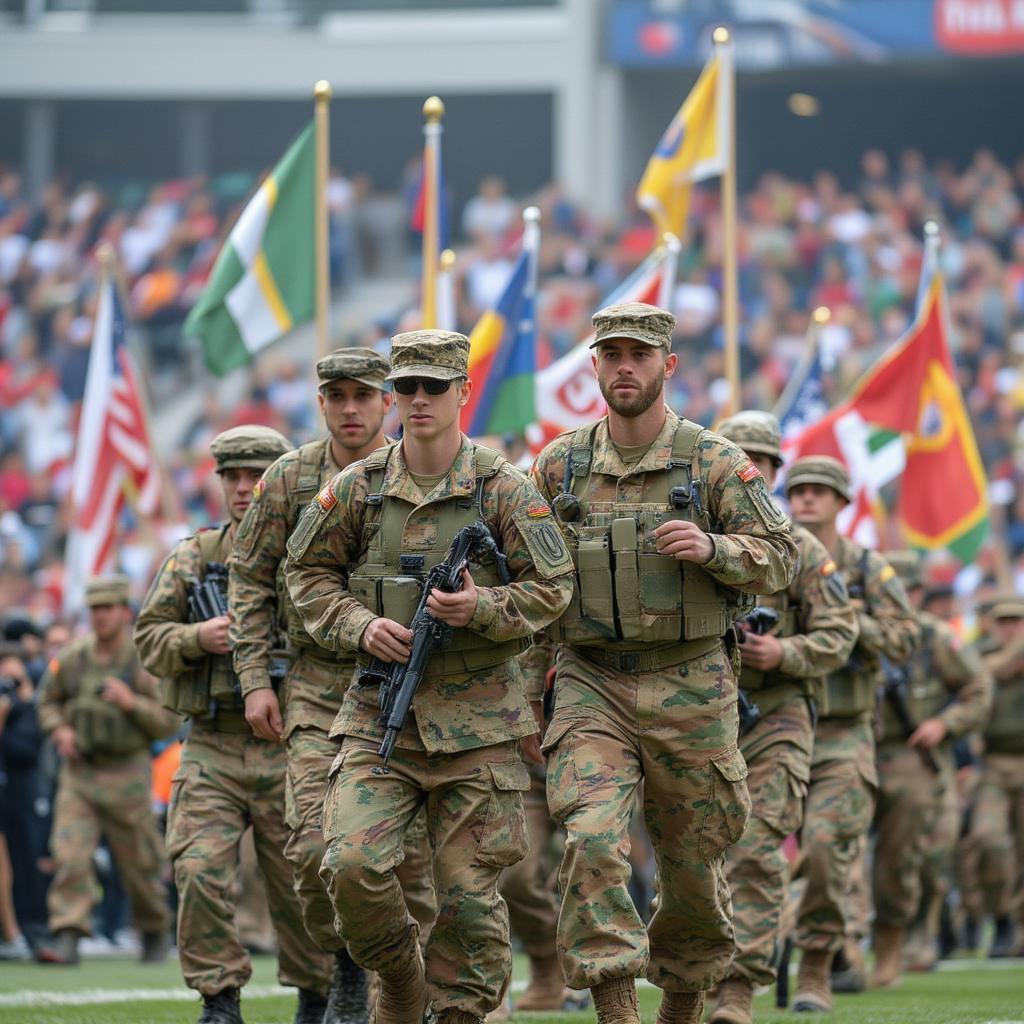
(631, 404)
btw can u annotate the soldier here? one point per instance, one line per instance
(945, 692)
(840, 800)
(354, 400)
(102, 712)
(782, 670)
(229, 779)
(670, 525)
(355, 564)
(998, 824)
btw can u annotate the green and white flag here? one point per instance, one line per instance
(262, 284)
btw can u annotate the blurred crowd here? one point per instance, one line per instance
(854, 247)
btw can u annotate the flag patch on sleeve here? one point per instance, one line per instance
(748, 472)
(327, 499)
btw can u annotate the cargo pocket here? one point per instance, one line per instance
(781, 802)
(728, 805)
(330, 823)
(563, 781)
(504, 840)
(182, 823)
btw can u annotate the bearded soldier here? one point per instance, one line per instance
(670, 526)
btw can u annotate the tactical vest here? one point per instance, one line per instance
(210, 686)
(626, 593)
(1004, 733)
(927, 694)
(311, 459)
(102, 729)
(849, 692)
(389, 580)
(758, 679)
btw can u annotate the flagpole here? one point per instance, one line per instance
(433, 111)
(668, 275)
(322, 121)
(730, 261)
(819, 318)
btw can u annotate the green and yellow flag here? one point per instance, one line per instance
(694, 147)
(262, 284)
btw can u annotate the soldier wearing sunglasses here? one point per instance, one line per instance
(355, 566)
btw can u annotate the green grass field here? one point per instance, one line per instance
(970, 994)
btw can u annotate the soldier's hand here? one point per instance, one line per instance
(213, 635)
(387, 640)
(64, 741)
(685, 541)
(930, 733)
(118, 692)
(455, 609)
(761, 652)
(263, 713)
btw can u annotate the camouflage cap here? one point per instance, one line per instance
(363, 365)
(637, 320)
(819, 469)
(907, 564)
(248, 447)
(113, 589)
(440, 354)
(1007, 606)
(754, 431)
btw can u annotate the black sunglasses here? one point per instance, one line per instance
(432, 386)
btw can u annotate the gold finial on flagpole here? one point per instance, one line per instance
(822, 315)
(322, 90)
(721, 35)
(447, 260)
(433, 109)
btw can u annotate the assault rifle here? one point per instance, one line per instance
(208, 597)
(894, 690)
(399, 682)
(760, 622)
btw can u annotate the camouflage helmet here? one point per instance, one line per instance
(363, 365)
(907, 564)
(637, 320)
(248, 447)
(819, 469)
(754, 431)
(112, 589)
(1007, 606)
(443, 355)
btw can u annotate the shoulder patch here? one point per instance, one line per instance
(748, 472)
(544, 541)
(834, 585)
(886, 574)
(770, 514)
(538, 510)
(53, 666)
(327, 499)
(258, 490)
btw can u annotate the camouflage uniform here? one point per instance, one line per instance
(943, 680)
(658, 708)
(312, 693)
(817, 630)
(998, 821)
(840, 799)
(107, 791)
(458, 753)
(228, 779)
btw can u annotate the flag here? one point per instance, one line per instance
(566, 393)
(907, 419)
(693, 148)
(503, 352)
(262, 284)
(113, 454)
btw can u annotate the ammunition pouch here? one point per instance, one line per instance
(1004, 733)
(103, 730)
(850, 692)
(756, 679)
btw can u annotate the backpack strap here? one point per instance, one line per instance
(311, 457)
(209, 540)
(487, 463)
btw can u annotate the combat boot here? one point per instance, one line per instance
(453, 1015)
(888, 956)
(402, 998)
(848, 972)
(221, 1008)
(63, 949)
(971, 937)
(311, 1007)
(735, 1003)
(546, 990)
(681, 1007)
(1002, 941)
(347, 999)
(155, 947)
(813, 989)
(615, 1001)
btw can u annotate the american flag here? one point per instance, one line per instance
(113, 456)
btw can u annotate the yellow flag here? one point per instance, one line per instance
(694, 147)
